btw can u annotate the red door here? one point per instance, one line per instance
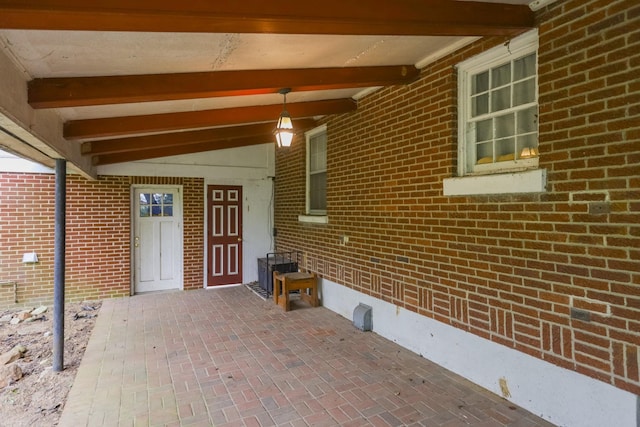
(224, 235)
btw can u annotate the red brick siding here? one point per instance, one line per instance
(98, 235)
(193, 206)
(26, 225)
(508, 268)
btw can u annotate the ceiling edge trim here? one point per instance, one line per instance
(450, 48)
(536, 5)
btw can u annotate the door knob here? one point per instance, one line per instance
(136, 242)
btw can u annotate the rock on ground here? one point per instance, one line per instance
(37, 399)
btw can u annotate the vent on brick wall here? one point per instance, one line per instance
(362, 317)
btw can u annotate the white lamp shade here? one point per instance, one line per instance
(284, 138)
(284, 130)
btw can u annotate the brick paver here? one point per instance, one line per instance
(224, 357)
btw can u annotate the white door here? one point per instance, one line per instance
(157, 238)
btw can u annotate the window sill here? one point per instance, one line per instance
(533, 181)
(314, 219)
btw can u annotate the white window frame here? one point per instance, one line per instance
(312, 216)
(517, 176)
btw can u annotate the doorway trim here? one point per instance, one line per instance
(236, 232)
(133, 222)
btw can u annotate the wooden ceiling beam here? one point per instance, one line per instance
(154, 142)
(130, 156)
(119, 126)
(375, 17)
(84, 91)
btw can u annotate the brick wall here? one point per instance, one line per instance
(98, 235)
(509, 268)
(193, 205)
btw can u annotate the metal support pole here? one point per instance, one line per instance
(59, 265)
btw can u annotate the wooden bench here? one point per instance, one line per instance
(306, 283)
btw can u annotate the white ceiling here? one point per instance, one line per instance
(46, 54)
(80, 54)
(50, 54)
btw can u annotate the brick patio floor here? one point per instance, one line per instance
(225, 357)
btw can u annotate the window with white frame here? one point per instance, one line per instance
(317, 171)
(498, 109)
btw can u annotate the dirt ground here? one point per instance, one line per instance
(37, 399)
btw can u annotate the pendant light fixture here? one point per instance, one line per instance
(284, 129)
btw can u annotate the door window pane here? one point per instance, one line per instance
(167, 202)
(145, 211)
(156, 204)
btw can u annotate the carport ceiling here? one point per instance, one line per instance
(137, 80)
